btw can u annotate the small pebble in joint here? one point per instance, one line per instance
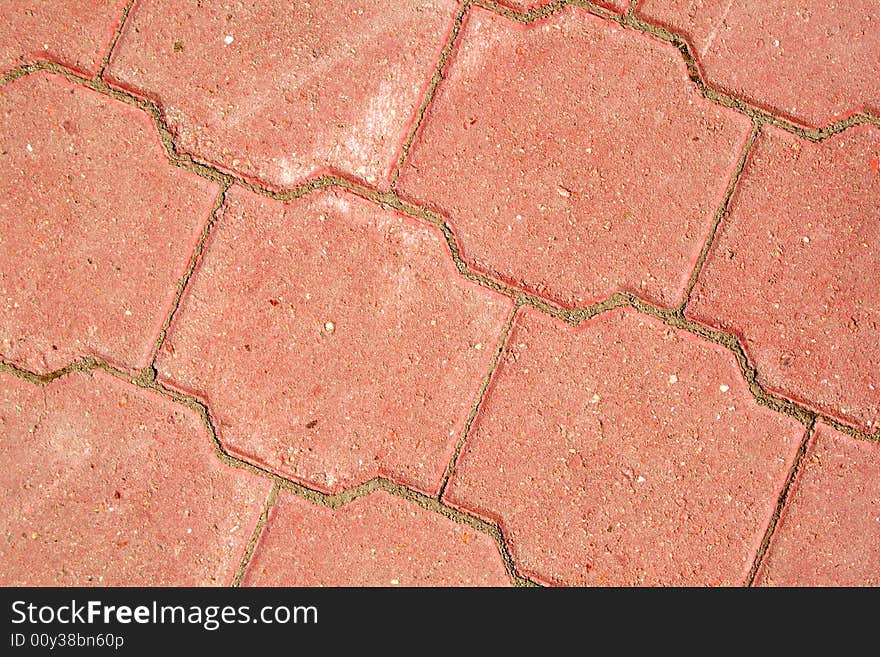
(228, 39)
(329, 327)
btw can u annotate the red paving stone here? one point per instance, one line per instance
(67, 32)
(281, 93)
(117, 485)
(377, 540)
(555, 174)
(815, 62)
(334, 340)
(794, 270)
(95, 227)
(829, 532)
(624, 452)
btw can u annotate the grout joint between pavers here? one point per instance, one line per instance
(342, 498)
(781, 502)
(334, 501)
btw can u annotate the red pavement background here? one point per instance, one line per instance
(441, 293)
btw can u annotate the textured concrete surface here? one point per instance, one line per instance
(814, 62)
(377, 540)
(347, 347)
(828, 535)
(440, 292)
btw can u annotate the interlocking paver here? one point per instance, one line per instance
(624, 452)
(115, 485)
(282, 93)
(67, 32)
(95, 227)
(574, 158)
(829, 532)
(377, 540)
(815, 62)
(334, 340)
(794, 270)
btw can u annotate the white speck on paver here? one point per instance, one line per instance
(563, 192)
(724, 387)
(478, 346)
(128, 313)
(673, 378)
(228, 39)
(775, 43)
(395, 582)
(806, 240)
(329, 327)
(640, 479)
(30, 149)
(595, 398)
